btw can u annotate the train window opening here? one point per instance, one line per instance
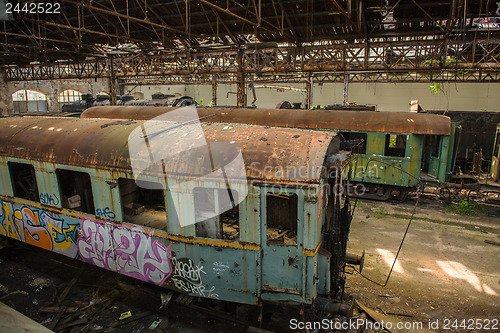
(435, 144)
(143, 205)
(23, 180)
(282, 218)
(357, 142)
(395, 145)
(76, 190)
(219, 213)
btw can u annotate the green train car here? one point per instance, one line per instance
(405, 143)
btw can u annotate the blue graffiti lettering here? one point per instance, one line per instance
(105, 213)
(49, 199)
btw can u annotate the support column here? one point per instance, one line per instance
(346, 88)
(214, 90)
(53, 99)
(6, 106)
(309, 92)
(112, 82)
(241, 96)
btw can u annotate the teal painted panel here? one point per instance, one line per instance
(323, 284)
(282, 269)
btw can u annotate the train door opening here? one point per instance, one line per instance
(431, 157)
(282, 259)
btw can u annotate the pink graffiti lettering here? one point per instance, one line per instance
(94, 245)
(129, 251)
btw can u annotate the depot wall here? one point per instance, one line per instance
(385, 96)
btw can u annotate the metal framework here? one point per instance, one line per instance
(207, 41)
(388, 60)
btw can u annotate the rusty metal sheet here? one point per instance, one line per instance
(388, 122)
(269, 153)
(125, 112)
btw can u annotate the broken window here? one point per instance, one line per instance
(219, 213)
(24, 181)
(395, 145)
(355, 142)
(76, 190)
(281, 218)
(144, 205)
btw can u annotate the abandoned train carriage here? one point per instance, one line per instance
(67, 186)
(419, 144)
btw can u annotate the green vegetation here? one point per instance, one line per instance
(465, 208)
(380, 212)
(436, 87)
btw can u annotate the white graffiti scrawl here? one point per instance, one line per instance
(128, 251)
(187, 277)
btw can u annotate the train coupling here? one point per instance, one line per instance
(354, 259)
(335, 308)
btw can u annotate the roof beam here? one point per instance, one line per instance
(227, 11)
(131, 18)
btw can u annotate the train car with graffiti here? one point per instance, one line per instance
(394, 150)
(277, 232)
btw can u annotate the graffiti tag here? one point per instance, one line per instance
(105, 213)
(188, 277)
(37, 227)
(49, 199)
(220, 267)
(126, 250)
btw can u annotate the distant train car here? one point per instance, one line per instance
(68, 186)
(477, 136)
(163, 100)
(419, 144)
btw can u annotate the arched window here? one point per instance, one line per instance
(28, 100)
(70, 95)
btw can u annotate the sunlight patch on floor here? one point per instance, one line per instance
(460, 271)
(388, 257)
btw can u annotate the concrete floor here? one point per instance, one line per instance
(445, 270)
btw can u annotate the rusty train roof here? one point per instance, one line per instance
(103, 144)
(389, 122)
